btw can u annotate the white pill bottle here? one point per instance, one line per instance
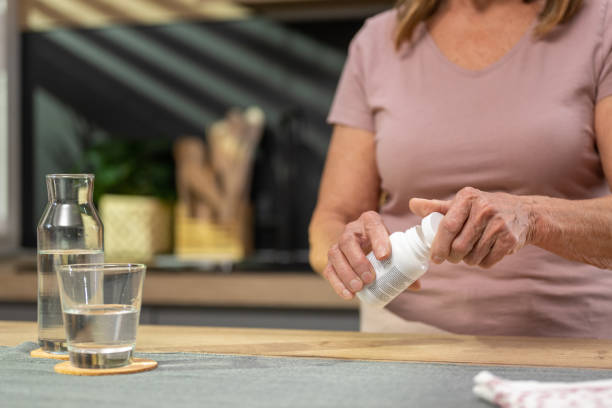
(409, 260)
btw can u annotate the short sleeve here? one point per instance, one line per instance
(350, 106)
(604, 84)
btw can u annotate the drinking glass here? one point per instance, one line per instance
(101, 309)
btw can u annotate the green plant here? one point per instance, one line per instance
(131, 167)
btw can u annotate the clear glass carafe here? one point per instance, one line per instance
(69, 232)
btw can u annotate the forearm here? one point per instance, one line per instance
(324, 231)
(576, 230)
(350, 185)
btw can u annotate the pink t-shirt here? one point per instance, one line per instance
(524, 125)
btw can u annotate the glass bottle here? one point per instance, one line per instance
(69, 232)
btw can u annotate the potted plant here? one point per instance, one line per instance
(134, 191)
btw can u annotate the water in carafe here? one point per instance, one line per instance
(69, 232)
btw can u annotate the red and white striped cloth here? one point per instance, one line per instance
(534, 394)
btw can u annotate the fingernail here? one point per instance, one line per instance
(346, 294)
(437, 259)
(355, 284)
(367, 277)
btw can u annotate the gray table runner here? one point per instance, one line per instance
(211, 380)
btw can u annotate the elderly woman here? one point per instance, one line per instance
(497, 113)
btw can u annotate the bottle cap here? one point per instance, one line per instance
(430, 225)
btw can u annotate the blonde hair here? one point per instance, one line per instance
(413, 12)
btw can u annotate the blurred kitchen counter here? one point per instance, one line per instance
(256, 289)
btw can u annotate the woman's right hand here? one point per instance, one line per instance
(348, 270)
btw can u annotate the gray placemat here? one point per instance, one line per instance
(211, 380)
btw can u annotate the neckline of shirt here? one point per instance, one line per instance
(491, 67)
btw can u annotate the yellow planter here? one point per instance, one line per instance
(136, 228)
(200, 239)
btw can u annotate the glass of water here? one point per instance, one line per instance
(101, 309)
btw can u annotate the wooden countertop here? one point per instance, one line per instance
(297, 290)
(526, 351)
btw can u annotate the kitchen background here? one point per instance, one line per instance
(108, 86)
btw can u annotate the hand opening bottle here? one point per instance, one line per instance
(409, 260)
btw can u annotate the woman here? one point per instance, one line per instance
(497, 113)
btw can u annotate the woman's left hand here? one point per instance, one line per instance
(478, 228)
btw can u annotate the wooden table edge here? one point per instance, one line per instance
(384, 347)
